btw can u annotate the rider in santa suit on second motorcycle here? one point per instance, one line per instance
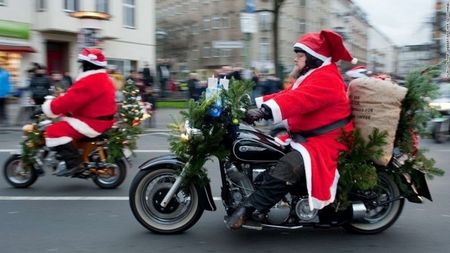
(86, 110)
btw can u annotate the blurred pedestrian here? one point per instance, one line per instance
(59, 86)
(163, 69)
(148, 78)
(5, 89)
(40, 86)
(193, 86)
(67, 79)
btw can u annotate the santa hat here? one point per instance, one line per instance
(93, 55)
(357, 72)
(323, 45)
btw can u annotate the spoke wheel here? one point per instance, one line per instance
(16, 175)
(147, 191)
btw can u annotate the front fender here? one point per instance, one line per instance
(171, 161)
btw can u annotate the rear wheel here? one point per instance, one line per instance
(147, 191)
(112, 177)
(16, 175)
(380, 217)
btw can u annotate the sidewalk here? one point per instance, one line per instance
(158, 123)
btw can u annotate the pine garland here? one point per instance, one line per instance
(414, 116)
(127, 128)
(195, 149)
(356, 167)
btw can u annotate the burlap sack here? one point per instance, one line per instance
(377, 103)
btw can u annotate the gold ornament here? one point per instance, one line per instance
(184, 138)
(28, 128)
(235, 121)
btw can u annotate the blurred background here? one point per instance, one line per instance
(169, 42)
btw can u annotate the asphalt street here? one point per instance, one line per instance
(74, 215)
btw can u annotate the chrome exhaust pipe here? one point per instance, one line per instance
(358, 210)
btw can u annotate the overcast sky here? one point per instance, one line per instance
(403, 21)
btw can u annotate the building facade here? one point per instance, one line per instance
(48, 35)
(381, 52)
(412, 57)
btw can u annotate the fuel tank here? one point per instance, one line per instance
(251, 145)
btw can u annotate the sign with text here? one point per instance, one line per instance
(248, 23)
(227, 44)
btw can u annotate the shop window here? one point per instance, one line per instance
(71, 5)
(129, 8)
(41, 5)
(102, 6)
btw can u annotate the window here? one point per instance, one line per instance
(206, 22)
(264, 49)
(71, 5)
(129, 13)
(302, 26)
(264, 22)
(206, 50)
(41, 5)
(226, 22)
(2, 2)
(216, 24)
(102, 6)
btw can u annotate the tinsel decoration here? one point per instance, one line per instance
(127, 128)
(196, 148)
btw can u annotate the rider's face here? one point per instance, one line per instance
(300, 60)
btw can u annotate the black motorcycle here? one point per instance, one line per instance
(162, 204)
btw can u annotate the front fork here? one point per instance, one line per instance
(174, 188)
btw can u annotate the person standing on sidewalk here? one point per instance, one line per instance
(40, 86)
(5, 88)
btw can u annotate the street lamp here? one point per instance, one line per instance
(91, 24)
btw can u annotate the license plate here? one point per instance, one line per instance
(127, 152)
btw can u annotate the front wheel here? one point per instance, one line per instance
(380, 217)
(147, 191)
(16, 175)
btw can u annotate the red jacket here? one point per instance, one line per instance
(89, 104)
(316, 99)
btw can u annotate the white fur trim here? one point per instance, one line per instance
(259, 101)
(90, 72)
(285, 124)
(53, 142)
(91, 60)
(276, 112)
(354, 61)
(319, 204)
(314, 203)
(46, 108)
(310, 51)
(81, 127)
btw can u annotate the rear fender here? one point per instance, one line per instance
(172, 161)
(413, 186)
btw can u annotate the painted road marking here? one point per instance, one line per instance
(69, 198)
(136, 151)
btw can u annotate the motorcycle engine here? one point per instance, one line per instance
(303, 212)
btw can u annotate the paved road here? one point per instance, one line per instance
(83, 221)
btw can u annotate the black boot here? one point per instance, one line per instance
(269, 192)
(70, 155)
(239, 216)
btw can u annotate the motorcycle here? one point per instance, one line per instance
(163, 204)
(440, 126)
(93, 151)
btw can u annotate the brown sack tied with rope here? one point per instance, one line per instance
(376, 103)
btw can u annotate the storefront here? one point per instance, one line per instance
(15, 49)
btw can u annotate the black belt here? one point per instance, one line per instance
(300, 136)
(109, 117)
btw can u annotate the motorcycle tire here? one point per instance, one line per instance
(148, 190)
(380, 218)
(114, 181)
(16, 175)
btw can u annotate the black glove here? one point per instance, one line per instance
(253, 115)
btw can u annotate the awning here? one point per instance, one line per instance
(17, 48)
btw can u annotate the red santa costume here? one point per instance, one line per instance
(88, 106)
(316, 99)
